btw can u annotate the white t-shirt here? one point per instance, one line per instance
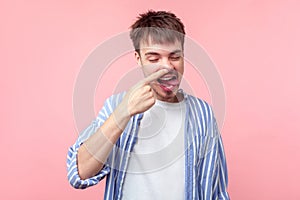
(157, 163)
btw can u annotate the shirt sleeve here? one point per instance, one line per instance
(72, 169)
(220, 175)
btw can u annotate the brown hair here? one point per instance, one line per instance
(157, 26)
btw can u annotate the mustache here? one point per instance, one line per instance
(172, 75)
(171, 72)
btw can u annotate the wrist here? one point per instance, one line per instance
(121, 116)
(123, 110)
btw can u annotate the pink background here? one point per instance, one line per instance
(255, 45)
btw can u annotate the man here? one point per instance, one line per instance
(154, 141)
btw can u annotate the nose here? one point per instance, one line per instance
(167, 64)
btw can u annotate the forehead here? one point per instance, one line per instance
(150, 45)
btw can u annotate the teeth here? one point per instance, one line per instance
(167, 78)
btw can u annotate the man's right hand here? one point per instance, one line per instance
(141, 97)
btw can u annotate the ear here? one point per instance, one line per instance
(138, 58)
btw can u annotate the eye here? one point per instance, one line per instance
(153, 60)
(175, 58)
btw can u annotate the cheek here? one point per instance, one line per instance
(150, 69)
(180, 67)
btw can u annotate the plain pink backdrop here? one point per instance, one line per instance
(255, 45)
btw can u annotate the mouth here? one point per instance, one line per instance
(168, 82)
(169, 79)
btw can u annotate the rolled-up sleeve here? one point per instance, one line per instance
(220, 176)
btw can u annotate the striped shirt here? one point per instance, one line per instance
(206, 175)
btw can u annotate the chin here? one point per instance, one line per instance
(163, 95)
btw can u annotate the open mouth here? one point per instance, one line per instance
(168, 79)
(169, 82)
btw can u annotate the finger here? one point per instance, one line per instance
(155, 75)
(150, 102)
(147, 88)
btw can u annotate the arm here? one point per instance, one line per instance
(72, 160)
(92, 154)
(88, 156)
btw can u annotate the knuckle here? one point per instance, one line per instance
(147, 87)
(151, 94)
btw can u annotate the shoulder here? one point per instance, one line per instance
(114, 99)
(201, 113)
(110, 104)
(198, 105)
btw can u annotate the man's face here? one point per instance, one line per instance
(154, 57)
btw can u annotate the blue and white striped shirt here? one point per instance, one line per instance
(205, 164)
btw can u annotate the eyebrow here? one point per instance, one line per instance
(151, 53)
(176, 51)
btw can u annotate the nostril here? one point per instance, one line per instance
(168, 67)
